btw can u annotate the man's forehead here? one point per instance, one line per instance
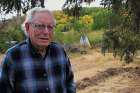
(42, 16)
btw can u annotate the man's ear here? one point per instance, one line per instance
(27, 27)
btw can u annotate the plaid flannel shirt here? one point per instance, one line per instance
(26, 71)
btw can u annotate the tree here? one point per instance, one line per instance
(123, 36)
(73, 7)
(19, 6)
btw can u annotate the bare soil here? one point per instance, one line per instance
(96, 73)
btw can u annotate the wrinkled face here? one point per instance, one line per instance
(40, 30)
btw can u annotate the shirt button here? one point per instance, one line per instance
(45, 75)
(47, 89)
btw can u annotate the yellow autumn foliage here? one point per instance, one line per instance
(62, 18)
(87, 19)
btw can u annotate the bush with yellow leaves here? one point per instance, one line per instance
(87, 19)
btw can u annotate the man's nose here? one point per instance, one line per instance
(46, 30)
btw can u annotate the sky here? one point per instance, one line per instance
(57, 5)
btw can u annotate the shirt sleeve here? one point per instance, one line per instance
(71, 86)
(6, 78)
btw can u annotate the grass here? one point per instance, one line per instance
(67, 37)
(95, 37)
(1, 56)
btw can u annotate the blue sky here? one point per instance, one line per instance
(57, 5)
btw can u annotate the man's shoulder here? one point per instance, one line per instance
(17, 47)
(56, 45)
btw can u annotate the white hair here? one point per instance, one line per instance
(30, 15)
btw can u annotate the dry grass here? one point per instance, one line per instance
(93, 63)
(1, 56)
(126, 82)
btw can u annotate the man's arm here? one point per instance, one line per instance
(71, 86)
(6, 73)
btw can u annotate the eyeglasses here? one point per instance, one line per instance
(42, 26)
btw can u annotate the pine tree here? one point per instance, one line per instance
(123, 36)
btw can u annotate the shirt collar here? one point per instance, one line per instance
(32, 49)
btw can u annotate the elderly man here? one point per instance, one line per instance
(37, 65)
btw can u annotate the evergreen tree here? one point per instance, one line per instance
(123, 36)
(8, 6)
